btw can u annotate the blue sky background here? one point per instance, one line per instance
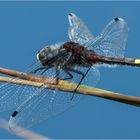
(26, 27)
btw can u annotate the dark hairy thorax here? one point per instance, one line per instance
(80, 53)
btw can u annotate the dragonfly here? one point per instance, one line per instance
(76, 60)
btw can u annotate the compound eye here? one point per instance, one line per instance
(40, 55)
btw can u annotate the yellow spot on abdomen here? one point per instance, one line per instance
(137, 61)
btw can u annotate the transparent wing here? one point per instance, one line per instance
(78, 32)
(62, 100)
(39, 108)
(47, 103)
(29, 112)
(11, 95)
(112, 40)
(40, 105)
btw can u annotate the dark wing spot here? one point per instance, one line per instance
(70, 14)
(14, 113)
(116, 19)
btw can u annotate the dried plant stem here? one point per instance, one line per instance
(37, 81)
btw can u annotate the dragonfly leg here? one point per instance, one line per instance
(57, 77)
(69, 69)
(83, 76)
(68, 73)
(44, 68)
(57, 74)
(80, 73)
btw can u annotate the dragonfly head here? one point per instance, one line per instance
(45, 55)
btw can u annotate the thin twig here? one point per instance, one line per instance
(37, 81)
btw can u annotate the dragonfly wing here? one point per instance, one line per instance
(30, 112)
(78, 32)
(62, 100)
(11, 95)
(45, 104)
(112, 41)
(40, 106)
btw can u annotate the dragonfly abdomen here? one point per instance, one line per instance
(79, 52)
(112, 60)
